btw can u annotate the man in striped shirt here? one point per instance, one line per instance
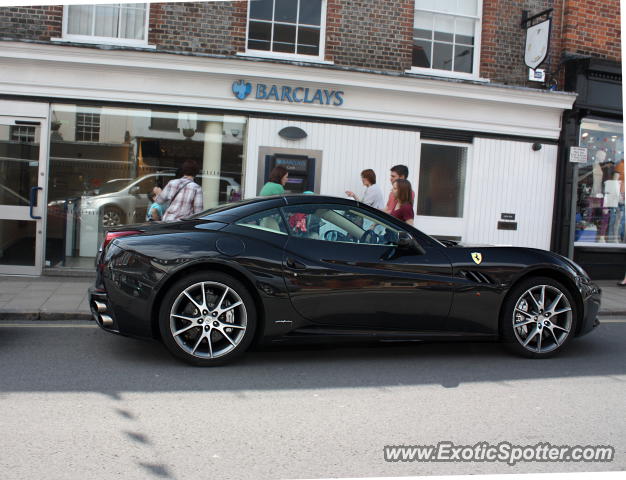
(183, 194)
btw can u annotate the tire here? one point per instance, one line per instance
(212, 331)
(111, 217)
(536, 328)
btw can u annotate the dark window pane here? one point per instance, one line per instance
(308, 36)
(310, 11)
(421, 53)
(261, 9)
(441, 181)
(465, 39)
(443, 36)
(168, 123)
(284, 47)
(260, 31)
(444, 28)
(258, 45)
(442, 56)
(284, 33)
(421, 33)
(286, 11)
(308, 50)
(463, 58)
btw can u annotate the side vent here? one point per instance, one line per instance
(478, 277)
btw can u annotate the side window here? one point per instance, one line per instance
(269, 220)
(335, 223)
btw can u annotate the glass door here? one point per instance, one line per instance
(22, 200)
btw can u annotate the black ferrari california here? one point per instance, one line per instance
(307, 266)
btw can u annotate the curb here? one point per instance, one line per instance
(45, 316)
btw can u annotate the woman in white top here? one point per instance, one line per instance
(373, 195)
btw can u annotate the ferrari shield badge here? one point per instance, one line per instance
(477, 257)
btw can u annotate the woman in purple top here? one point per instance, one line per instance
(404, 207)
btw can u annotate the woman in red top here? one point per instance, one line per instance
(404, 207)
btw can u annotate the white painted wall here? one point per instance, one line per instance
(502, 176)
(509, 177)
(347, 150)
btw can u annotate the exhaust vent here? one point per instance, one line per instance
(477, 277)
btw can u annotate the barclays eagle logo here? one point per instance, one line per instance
(242, 89)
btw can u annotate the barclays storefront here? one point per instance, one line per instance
(86, 134)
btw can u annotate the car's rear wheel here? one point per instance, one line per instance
(207, 319)
(539, 317)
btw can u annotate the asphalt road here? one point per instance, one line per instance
(76, 402)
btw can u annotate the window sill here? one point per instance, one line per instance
(115, 42)
(284, 56)
(446, 74)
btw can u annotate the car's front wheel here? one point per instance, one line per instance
(207, 319)
(539, 317)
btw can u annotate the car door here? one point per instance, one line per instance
(343, 267)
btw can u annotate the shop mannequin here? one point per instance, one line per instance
(596, 190)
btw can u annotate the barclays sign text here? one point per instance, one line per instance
(321, 96)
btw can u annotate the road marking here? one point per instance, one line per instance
(611, 321)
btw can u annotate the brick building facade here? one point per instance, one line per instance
(365, 33)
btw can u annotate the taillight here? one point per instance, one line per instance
(110, 236)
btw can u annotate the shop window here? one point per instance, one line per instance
(117, 23)
(442, 180)
(100, 183)
(600, 185)
(87, 127)
(22, 134)
(446, 37)
(286, 28)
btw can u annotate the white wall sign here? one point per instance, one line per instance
(577, 154)
(537, 40)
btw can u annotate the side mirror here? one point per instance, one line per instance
(407, 242)
(134, 190)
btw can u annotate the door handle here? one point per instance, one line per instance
(33, 199)
(294, 265)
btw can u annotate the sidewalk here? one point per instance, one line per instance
(65, 298)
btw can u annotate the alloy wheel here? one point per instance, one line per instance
(111, 218)
(542, 319)
(208, 320)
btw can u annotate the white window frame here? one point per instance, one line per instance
(125, 42)
(475, 75)
(290, 56)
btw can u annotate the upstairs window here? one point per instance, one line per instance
(116, 23)
(446, 37)
(286, 28)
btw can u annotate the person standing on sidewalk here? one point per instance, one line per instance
(404, 205)
(398, 172)
(373, 195)
(276, 185)
(183, 194)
